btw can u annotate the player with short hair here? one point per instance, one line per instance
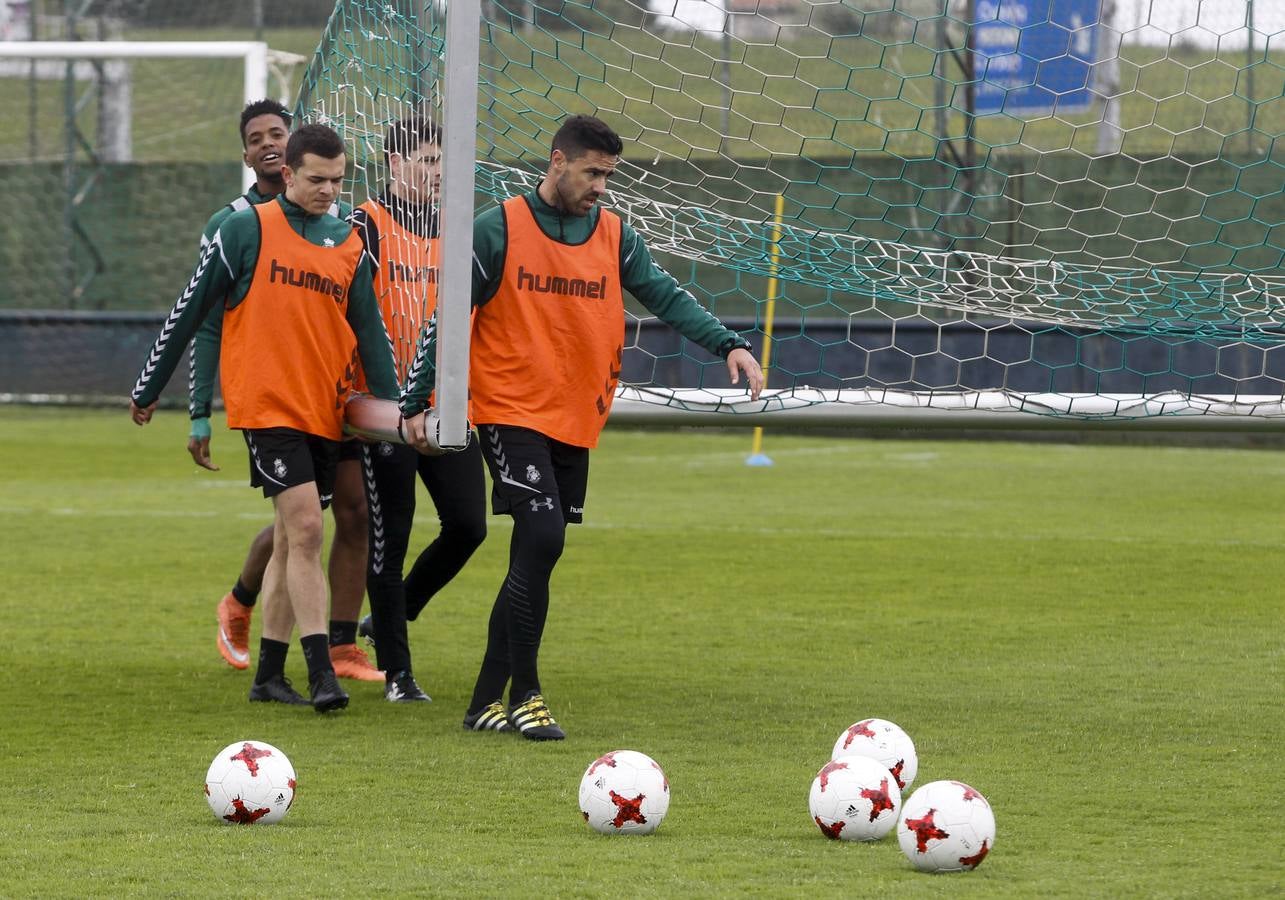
(399, 229)
(265, 129)
(295, 286)
(549, 272)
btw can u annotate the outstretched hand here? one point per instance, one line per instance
(141, 414)
(741, 360)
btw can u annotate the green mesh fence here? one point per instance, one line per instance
(117, 163)
(1115, 254)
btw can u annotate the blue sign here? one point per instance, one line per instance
(1034, 56)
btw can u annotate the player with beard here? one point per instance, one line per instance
(265, 129)
(549, 271)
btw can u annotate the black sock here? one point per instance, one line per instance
(490, 683)
(272, 660)
(342, 633)
(243, 594)
(317, 654)
(518, 692)
(494, 674)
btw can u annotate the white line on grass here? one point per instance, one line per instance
(699, 460)
(503, 522)
(118, 513)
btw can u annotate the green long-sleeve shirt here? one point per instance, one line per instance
(252, 197)
(222, 280)
(640, 275)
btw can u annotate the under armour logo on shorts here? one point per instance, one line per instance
(537, 505)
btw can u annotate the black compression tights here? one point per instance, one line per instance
(517, 618)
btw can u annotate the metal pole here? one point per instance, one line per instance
(939, 74)
(255, 88)
(970, 114)
(33, 137)
(491, 8)
(115, 100)
(1249, 77)
(69, 159)
(757, 457)
(459, 151)
(726, 79)
(1106, 78)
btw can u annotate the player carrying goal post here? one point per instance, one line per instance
(399, 227)
(549, 272)
(300, 310)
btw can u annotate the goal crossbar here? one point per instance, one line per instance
(256, 58)
(984, 410)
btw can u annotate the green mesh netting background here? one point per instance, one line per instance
(1125, 248)
(1132, 245)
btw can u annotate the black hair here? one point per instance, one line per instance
(581, 134)
(319, 140)
(264, 108)
(405, 136)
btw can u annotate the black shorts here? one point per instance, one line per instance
(529, 468)
(282, 458)
(350, 450)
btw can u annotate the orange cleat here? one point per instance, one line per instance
(350, 661)
(233, 639)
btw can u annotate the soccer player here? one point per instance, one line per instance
(549, 269)
(265, 128)
(399, 229)
(295, 286)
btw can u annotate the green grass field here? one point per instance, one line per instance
(1089, 635)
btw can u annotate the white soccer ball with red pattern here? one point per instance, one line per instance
(884, 741)
(250, 783)
(624, 792)
(854, 798)
(946, 826)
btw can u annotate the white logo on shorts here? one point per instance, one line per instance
(327, 242)
(532, 474)
(279, 467)
(537, 505)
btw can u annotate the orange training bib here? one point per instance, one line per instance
(288, 353)
(546, 348)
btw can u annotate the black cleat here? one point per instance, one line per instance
(366, 631)
(401, 688)
(532, 718)
(326, 692)
(491, 717)
(276, 689)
